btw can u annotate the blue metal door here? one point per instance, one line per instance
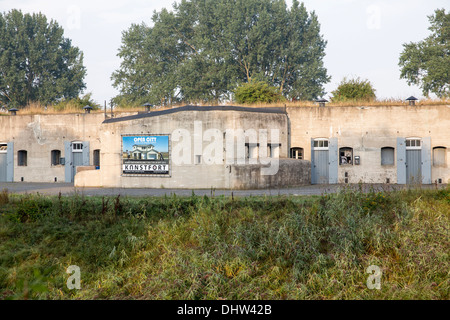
(413, 166)
(3, 164)
(320, 167)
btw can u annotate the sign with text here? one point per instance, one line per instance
(145, 155)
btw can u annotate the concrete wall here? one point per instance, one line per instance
(188, 175)
(291, 173)
(40, 134)
(367, 130)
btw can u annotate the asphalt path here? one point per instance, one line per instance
(69, 189)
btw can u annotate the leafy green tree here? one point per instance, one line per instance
(36, 62)
(353, 90)
(427, 62)
(204, 49)
(257, 91)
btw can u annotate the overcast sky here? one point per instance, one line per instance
(364, 37)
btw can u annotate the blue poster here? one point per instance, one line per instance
(145, 154)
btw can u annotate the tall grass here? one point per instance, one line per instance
(37, 108)
(222, 248)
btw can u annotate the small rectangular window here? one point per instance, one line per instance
(316, 144)
(345, 156)
(439, 156)
(297, 153)
(22, 158)
(413, 143)
(387, 156)
(97, 158)
(3, 148)
(55, 156)
(77, 147)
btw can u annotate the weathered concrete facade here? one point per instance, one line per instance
(195, 122)
(382, 144)
(38, 135)
(367, 130)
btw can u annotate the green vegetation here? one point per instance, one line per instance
(222, 248)
(202, 49)
(37, 63)
(426, 63)
(77, 103)
(257, 91)
(354, 90)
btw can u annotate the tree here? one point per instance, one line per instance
(353, 90)
(204, 49)
(426, 63)
(36, 62)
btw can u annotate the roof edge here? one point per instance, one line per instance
(279, 110)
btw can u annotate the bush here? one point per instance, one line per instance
(258, 91)
(354, 89)
(77, 103)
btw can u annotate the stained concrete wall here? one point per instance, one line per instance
(367, 130)
(40, 134)
(181, 175)
(292, 172)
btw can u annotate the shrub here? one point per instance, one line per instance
(354, 89)
(258, 91)
(77, 103)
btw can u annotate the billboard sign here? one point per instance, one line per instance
(146, 155)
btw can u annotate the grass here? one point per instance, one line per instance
(315, 247)
(36, 108)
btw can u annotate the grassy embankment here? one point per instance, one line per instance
(315, 247)
(37, 108)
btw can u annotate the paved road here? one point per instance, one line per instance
(68, 189)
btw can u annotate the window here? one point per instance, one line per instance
(273, 150)
(251, 150)
(97, 158)
(297, 153)
(439, 156)
(413, 143)
(387, 156)
(55, 157)
(321, 143)
(22, 158)
(77, 147)
(345, 156)
(3, 148)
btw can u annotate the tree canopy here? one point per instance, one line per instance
(427, 63)
(36, 62)
(204, 49)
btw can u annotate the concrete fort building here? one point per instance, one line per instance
(229, 147)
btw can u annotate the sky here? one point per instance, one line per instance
(365, 38)
(161, 144)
